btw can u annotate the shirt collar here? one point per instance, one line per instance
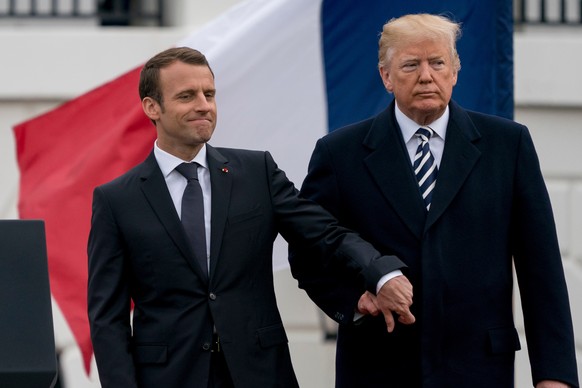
(409, 126)
(169, 162)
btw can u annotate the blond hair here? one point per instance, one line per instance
(410, 29)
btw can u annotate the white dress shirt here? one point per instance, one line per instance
(436, 142)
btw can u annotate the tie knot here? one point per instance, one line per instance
(424, 133)
(188, 170)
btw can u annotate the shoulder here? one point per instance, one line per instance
(485, 123)
(349, 137)
(239, 157)
(131, 177)
(491, 121)
(478, 125)
(349, 132)
(231, 153)
(370, 130)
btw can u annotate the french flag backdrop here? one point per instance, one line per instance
(287, 72)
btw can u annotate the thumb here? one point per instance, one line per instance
(406, 317)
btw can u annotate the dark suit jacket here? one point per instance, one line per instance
(490, 204)
(138, 250)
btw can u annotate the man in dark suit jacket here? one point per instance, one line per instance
(489, 206)
(213, 323)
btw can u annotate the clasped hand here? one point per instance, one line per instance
(395, 297)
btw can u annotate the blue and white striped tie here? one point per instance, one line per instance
(424, 165)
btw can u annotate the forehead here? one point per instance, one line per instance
(423, 48)
(183, 75)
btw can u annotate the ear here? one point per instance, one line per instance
(385, 75)
(151, 108)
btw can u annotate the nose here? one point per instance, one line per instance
(425, 74)
(201, 103)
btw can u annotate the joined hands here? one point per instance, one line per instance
(395, 296)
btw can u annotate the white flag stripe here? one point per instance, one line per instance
(265, 64)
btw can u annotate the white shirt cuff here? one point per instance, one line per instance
(384, 279)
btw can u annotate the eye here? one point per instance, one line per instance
(438, 64)
(409, 66)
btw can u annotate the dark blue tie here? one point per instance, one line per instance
(424, 165)
(193, 213)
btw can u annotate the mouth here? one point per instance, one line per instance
(198, 119)
(427, 93)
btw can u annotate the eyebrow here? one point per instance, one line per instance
(194, 91)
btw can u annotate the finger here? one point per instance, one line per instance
(367, 305)
(389, 322)
(406, 318)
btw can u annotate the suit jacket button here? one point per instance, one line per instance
(212, 296)
(206, 346)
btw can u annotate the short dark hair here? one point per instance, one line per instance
(149, 79)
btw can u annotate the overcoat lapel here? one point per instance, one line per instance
(459, 157)
(156, 192)
(389, 165)
(221, 182)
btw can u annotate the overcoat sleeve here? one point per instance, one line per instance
(335, 286)
(540, 275)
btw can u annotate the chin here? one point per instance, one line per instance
(203, 132)
(429, 108)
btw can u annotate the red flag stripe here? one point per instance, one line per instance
(62, 156)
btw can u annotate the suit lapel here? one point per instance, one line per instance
(459, 158)
(390, 167)
(221, 182)
(156, 191)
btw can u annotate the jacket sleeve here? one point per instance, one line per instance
(334, 265)
(109, 298)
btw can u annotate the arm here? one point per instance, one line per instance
(544, 296)
(336, 285)
(108, 298)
